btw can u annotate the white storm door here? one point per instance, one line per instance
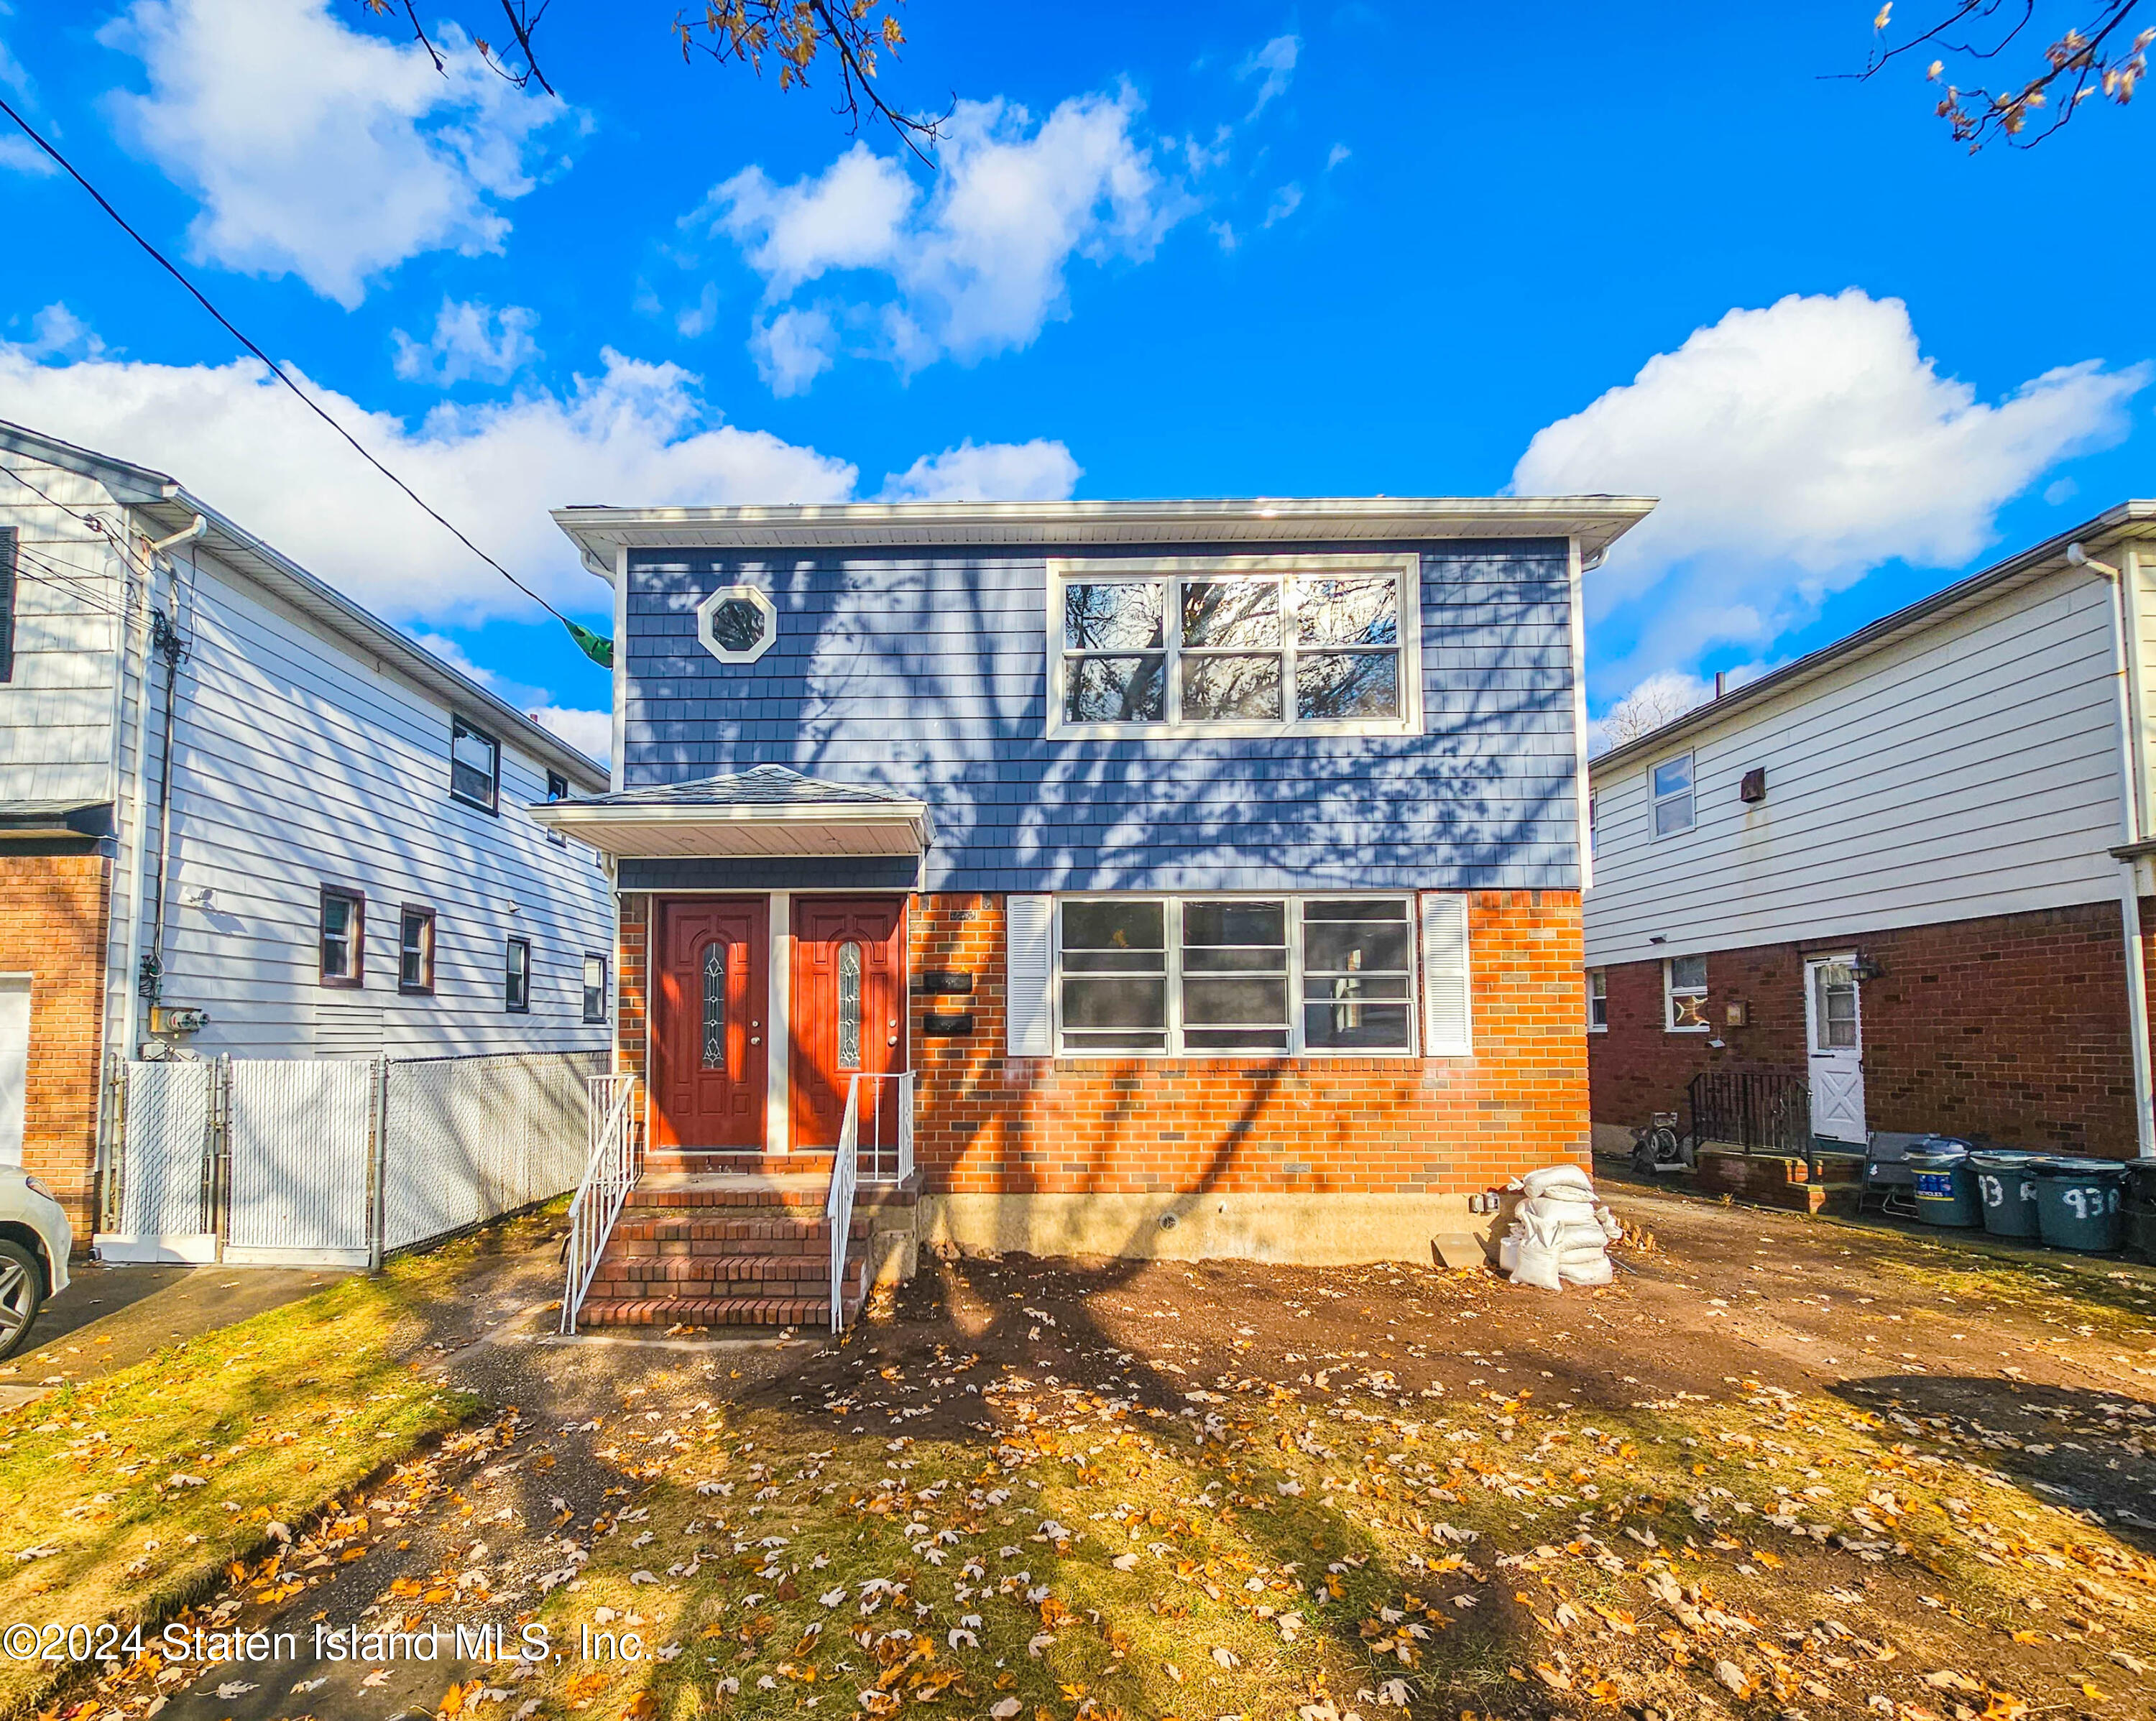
(14, 1063)
(1833, 1036)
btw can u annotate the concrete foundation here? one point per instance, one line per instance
(1309, 1230)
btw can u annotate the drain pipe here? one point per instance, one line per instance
(2130, 824)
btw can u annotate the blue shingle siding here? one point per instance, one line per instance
(927, 673)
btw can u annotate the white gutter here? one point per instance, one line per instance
(2119, 603)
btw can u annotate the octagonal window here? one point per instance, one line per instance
(736, 623)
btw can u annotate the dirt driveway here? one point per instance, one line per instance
(1727, 1330)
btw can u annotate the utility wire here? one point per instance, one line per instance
(592, 644)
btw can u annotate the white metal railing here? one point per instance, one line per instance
(839, 1205)
(615, 1162)
(886, 1133)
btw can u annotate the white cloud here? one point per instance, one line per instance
(793, 348)
(1795, 449)
(1276, 61)
(17, 153)
(20, 155)
(635, 433)
(1334, 157)
(1285, 201)
(320, 151)
(975, 267)
(2061, 490)
(590, 733)
(850, 215)
(470, 340)
(56, 330)
(1038, 471)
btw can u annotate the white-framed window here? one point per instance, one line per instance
(595, 988)
(1684, 995)
(1243, 645)
(737, 624)
(1234, 975)
(1598, 1000)
(475, 767)
(1670, 784)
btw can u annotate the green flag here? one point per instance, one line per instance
(595, 646)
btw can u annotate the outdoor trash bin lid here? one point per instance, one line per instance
(1937, 1155)
(2054, 1167)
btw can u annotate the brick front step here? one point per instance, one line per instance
(680, 1233)
(615, 1272)
(761, 1164)
(715, 1311)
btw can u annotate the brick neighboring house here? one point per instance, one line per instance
(1212, 869)
(1906, 879)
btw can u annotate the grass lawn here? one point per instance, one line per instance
(126, 1497)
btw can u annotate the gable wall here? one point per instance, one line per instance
(927, 673)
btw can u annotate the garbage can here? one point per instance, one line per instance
(2078, 1201)
(1945, 1185)
(2006, 1185)
(2140, 1211)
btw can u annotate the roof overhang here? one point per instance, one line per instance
(890, 827)
(601, 534)
(2125, 523)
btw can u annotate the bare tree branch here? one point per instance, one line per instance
(2082, 61)
(743, 31)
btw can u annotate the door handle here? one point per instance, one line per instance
(893, 1040)
(756, 1039)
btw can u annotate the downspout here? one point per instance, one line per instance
(165, 638)
(2131, 826)
(130, 1015)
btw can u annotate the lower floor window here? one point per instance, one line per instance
(1684, 990)
(595, 988)
(1598, 1000)
(516, 980)
(1209, 975)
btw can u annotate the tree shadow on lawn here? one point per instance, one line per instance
(2064, 1446)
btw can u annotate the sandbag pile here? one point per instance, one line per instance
(1560, 1234)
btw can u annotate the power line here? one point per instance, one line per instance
(593, 644)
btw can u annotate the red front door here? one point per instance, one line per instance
(849, 1009)
(708, 1043)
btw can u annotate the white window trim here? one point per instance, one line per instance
(1593, 975)
(753, 595)
(1406, 570)
(1656, 833)
(1172, 903)
(1669, 1003)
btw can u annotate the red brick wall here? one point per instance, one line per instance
(53, 914)
(633, 1010)
(987, 1123)
(2011, 1028)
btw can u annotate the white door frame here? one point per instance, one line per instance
(15, 989)
(1833, 1062)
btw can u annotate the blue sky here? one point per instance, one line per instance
(1189, 250)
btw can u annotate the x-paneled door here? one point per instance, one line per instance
(708, 1042)
(848, 1016)
(1834, 1034)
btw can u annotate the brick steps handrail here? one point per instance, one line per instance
(610, 1175)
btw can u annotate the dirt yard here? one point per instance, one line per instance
(1781, 1467)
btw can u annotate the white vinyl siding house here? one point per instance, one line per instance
(1967, 769)
(312, 750)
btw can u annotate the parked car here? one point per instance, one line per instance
(35, 1238)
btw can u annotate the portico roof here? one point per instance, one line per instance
(767, 811)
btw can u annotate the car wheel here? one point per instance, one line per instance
(21, 1286)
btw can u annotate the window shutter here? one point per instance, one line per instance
(1446, 1030)
(1028, 1012)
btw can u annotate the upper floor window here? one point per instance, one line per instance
(1684, 995)
(1239, 645)
(595, 988)
(342, 937)
(1672, 784)
(415, 950)
(1598, 1000)
(557, 789)
(516, 976)
(737, 624)
(475, 767)
(7, 603)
